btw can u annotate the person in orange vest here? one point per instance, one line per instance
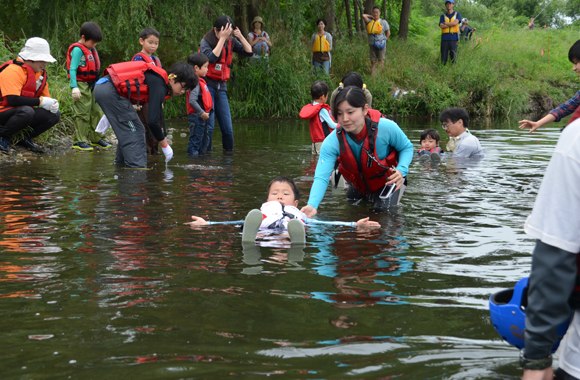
(449, 24)
(379, 32)
(219, 46)
(321, 122)
(133, 83)
(149, 40)
(84, 69)
(199, 107)
(24, 97)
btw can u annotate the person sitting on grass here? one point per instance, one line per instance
(565, 109)
(280, 213)
(430, 144)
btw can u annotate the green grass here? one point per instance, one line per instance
(503, 75)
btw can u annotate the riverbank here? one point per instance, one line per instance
(506, 73)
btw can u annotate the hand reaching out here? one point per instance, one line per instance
(366, 223)
(197, 221)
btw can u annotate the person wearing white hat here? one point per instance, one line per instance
(259, 39)
(24, 97)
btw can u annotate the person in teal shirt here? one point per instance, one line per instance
(353, 142)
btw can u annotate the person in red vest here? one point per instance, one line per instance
(318, 114)
(199, 107)
(24, 97)
(84, 68)
(219, 46)
(149, 40)
(133, 83)
(372, 151)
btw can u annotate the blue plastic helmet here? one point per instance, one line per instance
(507, 310)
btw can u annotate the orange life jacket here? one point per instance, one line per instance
(29, 89)
(220, 70)
(155, 61)
(318, 129)
(92, 70)
(129, 79)
(369, 173)
(203, 100)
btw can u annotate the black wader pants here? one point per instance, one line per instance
(16, 119)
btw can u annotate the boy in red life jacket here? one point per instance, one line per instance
(318, 114)
(84, 69)
(24, 97)
(430, 144)
(199, 107)
(149, 40)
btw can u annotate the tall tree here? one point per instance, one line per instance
(369, 4)
(240, 17)
(404, 20)
(348, 17)
(356, 18)
(329, 15)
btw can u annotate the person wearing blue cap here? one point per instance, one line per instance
(449, 24)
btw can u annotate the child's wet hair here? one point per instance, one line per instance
(355, 96)
(149, 31)
(352, 79)
(197, 59)
(430, 133)
(574, 52)
(454, 114)
(91, 31)
(318, 89)
(289, 181)
(184, 73)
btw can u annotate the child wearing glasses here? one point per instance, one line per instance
(461, 142)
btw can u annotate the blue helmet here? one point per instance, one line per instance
(507, 310)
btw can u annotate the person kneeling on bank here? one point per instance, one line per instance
(24, 97)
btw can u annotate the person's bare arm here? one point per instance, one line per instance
(367, 18)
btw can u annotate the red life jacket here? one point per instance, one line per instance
(318, 129)
(220, 70)
(432, 150)
(368, 174)
(129, 79)
(92, 70)
(203, 100)
(29, 89)
(575, 116)
(155, 61)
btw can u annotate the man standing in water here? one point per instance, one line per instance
(553, 284)
(449, 24)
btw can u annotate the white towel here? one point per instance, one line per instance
(103, 125)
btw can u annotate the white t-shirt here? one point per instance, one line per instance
(555, 220)
(468, 146)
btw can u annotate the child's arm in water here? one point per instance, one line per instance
(362, 223)
(198, 221)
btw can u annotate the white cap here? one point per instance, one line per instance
(36, 49)
(463, 20)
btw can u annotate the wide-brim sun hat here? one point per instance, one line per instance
(36, 49)
(257, 19)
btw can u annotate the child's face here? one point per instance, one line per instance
(150, 44)
(177, 88)
(576, 67)
(283, 193)
(201, 72)
(89, 44)
(429, 143)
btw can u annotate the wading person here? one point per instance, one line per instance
(373, 154)
(449, 24)
(24, 97)
(116, 93)
(84, 69)
(320, 120)
(553, 283)
(351, 79)
(149, 40)
(219, 45)
(565, 109)
(461, 142)
(379, 32)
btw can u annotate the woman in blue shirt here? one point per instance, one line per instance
(373, 153)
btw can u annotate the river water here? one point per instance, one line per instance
(100, 278)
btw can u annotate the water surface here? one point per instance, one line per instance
(99, 278)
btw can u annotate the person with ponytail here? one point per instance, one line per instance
(351, 79)
(218, 45)
(133, 83)
(373, 154)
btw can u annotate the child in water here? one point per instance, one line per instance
(430, 145)
(279, 213)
